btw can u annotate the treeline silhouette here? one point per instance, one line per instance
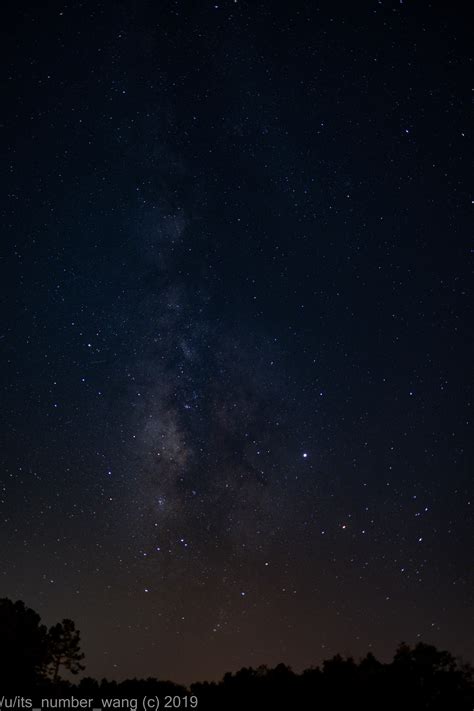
(34, 659)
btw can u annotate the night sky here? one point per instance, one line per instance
(235, 341)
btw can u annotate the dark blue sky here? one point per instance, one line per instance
(236, 333)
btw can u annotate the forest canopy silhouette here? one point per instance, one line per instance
(39, 662)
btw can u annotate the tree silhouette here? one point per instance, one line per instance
(23, 645)
(64, 649)
(429, 676)
(419, 677)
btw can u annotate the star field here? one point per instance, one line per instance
(236, 330)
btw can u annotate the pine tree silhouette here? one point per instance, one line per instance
(64, 649)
